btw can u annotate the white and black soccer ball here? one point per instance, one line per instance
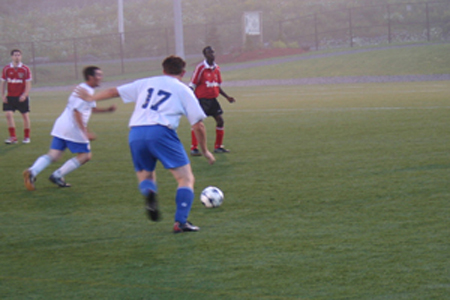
(211, 197)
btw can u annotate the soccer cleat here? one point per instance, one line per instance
(151, 206)
(11, 140)
(195, 152)
(26, 141)
(178, 227)
(29, 180)
(221, 150)
(59, 181)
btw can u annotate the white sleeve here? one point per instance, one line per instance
(129, 92)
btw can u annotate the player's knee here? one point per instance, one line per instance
(220, 122)
(88, 156)
(84, 157)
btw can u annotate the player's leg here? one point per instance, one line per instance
(220, 132)
(26, 128)
(24, 108)
(194, 145)
(170, 152)
(144, 164)
(84, 154)
(184, 198)
(9, 114)
(149, 189)
(30, 174)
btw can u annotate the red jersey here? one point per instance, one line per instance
(206, 81)
(16, 78)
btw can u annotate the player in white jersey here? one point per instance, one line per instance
(160, 103)
(70, 131)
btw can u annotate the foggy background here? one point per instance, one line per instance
(58, 36)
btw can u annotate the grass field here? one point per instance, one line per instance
(412, 60)
(331, 192)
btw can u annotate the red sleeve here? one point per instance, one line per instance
(4, 74)
(197, 74)
(28, 77)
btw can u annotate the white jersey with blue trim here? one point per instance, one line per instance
(161, 100)
(65, 126)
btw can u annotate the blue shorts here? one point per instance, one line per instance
(148, 144)
(60, 144)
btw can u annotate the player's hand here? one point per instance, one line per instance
(112, 108)
(83, 94)
(210, 157)
(5, 100)
(231, 99)
(91, 136)
(22, 98)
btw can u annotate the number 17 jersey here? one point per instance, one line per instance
(161, 100)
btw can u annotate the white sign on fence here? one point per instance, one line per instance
(252, 23)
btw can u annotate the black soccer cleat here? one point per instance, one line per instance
(186, 227)
(151, 206)
(195, 152)
(221, 150)
(59, 181)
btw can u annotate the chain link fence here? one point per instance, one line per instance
(59, 61)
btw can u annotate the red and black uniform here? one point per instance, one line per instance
(206, 82)
(16, 79)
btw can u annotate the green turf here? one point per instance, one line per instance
(430, 59)
(331, 192)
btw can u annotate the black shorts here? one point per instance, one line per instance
(14, 104)
(211, 107)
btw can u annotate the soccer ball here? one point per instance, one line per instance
(211, 197)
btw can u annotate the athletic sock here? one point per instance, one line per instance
(12, 131)
(40, 164)
(147, 185)
(26, 133)
(194, 144)
(184, 199)
(69, 166)
(220, 132)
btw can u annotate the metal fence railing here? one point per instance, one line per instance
(139, 51)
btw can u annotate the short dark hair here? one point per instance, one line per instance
(15, 50)
(207, 48)
(89, 71)
(173, 65)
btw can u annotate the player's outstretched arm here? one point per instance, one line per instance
(102, 95)
(200, 133)
(97, 110)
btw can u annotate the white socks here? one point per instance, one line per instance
(40, 164)
(69, 166)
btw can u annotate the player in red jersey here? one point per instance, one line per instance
(206, 82)
(16, 78)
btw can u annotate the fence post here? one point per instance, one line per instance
(350, 26)
(75, 57)
(166, 31)
(121, 39)
(316, 33)
(33, 56)
(389, 22)
(280, 31)
(428, 21)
